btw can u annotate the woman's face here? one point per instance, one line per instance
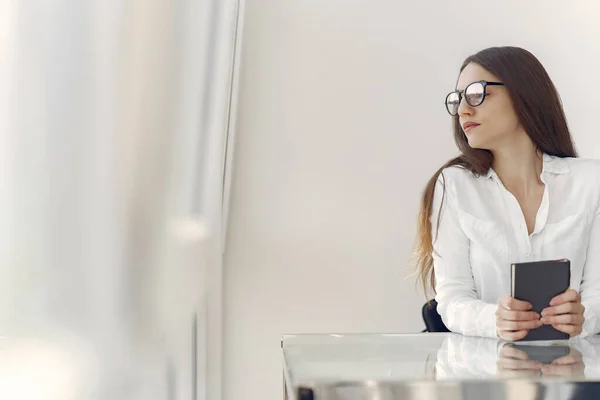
(498, 122)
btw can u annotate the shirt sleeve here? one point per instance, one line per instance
(590, 281)
(458, 304)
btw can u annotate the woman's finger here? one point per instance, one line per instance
(565, 308)
(510, 303)
(517, 325)
(572, 330)
(568, 319)
(512, 315)
(512, 335)
(566, 297)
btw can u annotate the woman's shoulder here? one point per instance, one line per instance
(458, 182)
(579, 167)
(457, 175)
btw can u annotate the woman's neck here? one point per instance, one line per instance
(519, 168)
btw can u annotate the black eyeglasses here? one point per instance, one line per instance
(474, 94)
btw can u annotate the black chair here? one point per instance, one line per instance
(433, 320)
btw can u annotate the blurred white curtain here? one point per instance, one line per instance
(113, 142)
(215, 162)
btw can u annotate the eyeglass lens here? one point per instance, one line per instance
(474, 94)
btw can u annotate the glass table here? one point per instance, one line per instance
(437, 365)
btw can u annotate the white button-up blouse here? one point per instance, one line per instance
(482, 231)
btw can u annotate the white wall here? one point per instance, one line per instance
(341, 122)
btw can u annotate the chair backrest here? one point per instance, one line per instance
(433, 320)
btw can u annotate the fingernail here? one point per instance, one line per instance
(544, 313)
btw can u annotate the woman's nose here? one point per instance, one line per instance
(464, 108)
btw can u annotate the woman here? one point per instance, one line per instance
(517, 193)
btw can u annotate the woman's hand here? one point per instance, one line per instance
(565, 313)
(514, 318)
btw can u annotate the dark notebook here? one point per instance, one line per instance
(537, 283)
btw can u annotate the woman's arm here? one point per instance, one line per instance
(456, 295)
(590, 281)
(578, 313)
(458, 303)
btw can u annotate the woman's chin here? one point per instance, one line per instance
(477, 144)
(474, 143)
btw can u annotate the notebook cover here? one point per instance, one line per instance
(537, 283)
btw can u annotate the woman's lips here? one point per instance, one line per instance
(470, 125)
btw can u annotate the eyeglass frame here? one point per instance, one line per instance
(460, 96)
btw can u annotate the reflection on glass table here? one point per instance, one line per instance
(436, 365)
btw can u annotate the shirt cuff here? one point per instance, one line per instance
(486, 321)
(590, 321)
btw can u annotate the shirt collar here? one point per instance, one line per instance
(552, 164)
(555, 165)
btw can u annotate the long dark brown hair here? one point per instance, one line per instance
(539, 109)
